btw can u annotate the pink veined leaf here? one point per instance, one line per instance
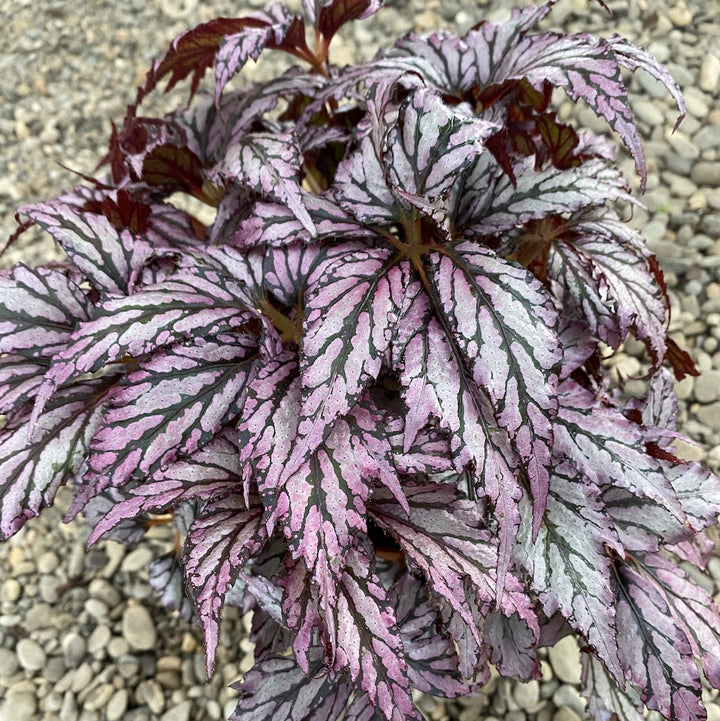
(269, 164)
(211, 471)
(361, 187)
(275, 225)
(429, 147)
(654, 650)
(608, 449)
(351, 304)
(33, 467)
(274, 27)
(513, 645)
(322, 506)
(447, 54)
(608, 701)
(612, 286)
(196, 301)
(20, 379)
(503, 323)
(277, 688)
(219, 543)
(329, 17)
(431, 656)
(584, 67)
(212, 128)
(633, 57)
(443, 535)
(195, 50)
(165, 577)
(39, 310)
(267, 424)
(691, 606)
(172, 228)
(286, 270)
(109, 257)
(569, 568)
(369, 646)
(535, 194)
(640, 523)
(436, 386)
(697, 489)
(659, 409)
(173, 404)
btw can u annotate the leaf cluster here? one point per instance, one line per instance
(369, 394)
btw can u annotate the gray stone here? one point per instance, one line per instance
(707, 387)
(710, 73)
(30, 654)
(117, 705)
(138, 628)
(151, 693)
(98, 641)
(68, 710)
(565, 714)
(137, 559)
(527, 695)
(569, 696)
(100, 589)
(18, 706)
(98, 697)
(181, 712)
(706, 172)
(564, 657)
(74, 648)
(11, 590)
(8, 663)
(648, 112)
(709, 415)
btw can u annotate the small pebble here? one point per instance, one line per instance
(138, 628)
(30, 654)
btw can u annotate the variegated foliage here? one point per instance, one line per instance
(369, 391)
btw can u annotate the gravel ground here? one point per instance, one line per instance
(81, 635)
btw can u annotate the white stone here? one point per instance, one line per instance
(527, 695)
(710, 73)
(74, 648)
(138, 628)
(565, 659)
(707, 387)
(11, 590)
(117, 705)
(18, 706)
(713, 712)
(30, 654)
(181, 712)
(565, 714)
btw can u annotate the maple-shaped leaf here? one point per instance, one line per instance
(34, 465)
(655, 651)
(351, 301)
(108, 256)
(607, 700)
(269, 164)
(211, 471)
(568, 563)
(431, 658)
(368, 646)
(503, 323)
(195, 301)
(443, 535)
(608, 449)
(39, 310)
(169, 407)
(220, 540)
